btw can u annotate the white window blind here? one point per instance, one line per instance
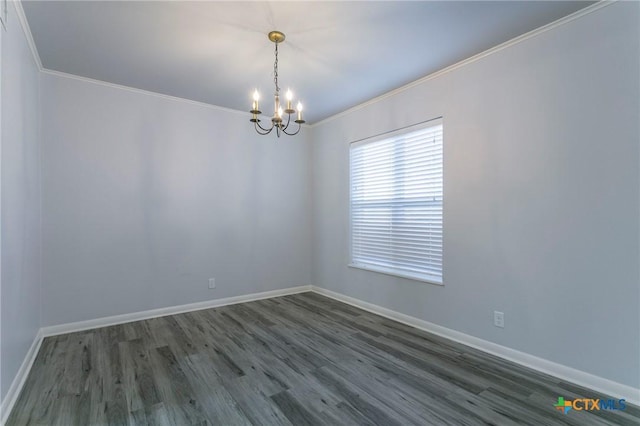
(396, 203)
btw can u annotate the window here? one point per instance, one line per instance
(396, 203)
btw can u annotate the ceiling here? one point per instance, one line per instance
(336, 55)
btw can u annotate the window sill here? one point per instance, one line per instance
(393, 273)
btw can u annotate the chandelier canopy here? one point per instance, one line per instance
(277, 120)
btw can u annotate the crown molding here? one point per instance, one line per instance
(138, 91)
(531, 34)
(36, 57)
(27, 32)
(514, 41)
(148, 93)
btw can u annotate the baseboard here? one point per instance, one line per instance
(588, 380)
(23, 372)
(21, 376)
(563, 372)
(169, 310)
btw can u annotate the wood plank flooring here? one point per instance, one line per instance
(296, 360)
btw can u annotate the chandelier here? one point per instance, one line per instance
(277, 120)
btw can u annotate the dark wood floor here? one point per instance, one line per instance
(294, 360)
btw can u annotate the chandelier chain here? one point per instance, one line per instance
(275, 71)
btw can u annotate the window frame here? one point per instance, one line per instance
(380, 269)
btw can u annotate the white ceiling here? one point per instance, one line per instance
(337, 54)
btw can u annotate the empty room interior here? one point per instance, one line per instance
(320, 213)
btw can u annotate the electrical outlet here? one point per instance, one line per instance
(498, 319)
(212, 283)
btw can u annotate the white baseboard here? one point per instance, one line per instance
(169, 310)
(600, 384)
(582, 378)
(18, 382)
(21, 376)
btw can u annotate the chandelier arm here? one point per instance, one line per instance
(257, 123)
(292, 134)
(286, 125)
(264, 131)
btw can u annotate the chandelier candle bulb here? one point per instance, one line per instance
(256, 98)
(289, 110)
(299, 106)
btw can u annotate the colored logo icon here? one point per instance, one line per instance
(563, 405)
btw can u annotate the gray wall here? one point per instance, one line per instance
(541, 196)
(21, 232)
(145, 198)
